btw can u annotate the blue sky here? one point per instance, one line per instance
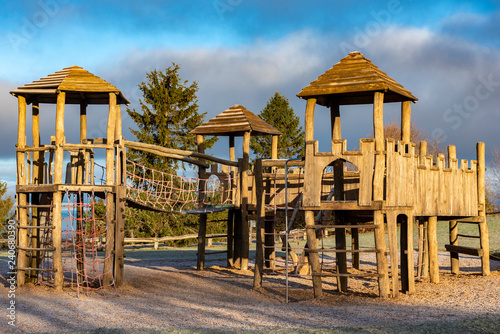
(447, 53)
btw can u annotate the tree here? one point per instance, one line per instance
(6, 204)
(279, 114)
(169, 111)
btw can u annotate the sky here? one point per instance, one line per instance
(447, 53)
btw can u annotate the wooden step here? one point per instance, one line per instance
(464, 250)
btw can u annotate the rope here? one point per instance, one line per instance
(173, 193)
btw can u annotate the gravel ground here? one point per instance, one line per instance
(169, 296)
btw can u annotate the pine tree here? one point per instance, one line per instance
(6, 204)
(279, 114)
(169, 111)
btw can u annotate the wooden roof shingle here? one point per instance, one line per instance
(236, 121)
(80, 86)
(353, 80)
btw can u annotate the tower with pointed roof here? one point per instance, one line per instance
(47, 172)
(389, 184)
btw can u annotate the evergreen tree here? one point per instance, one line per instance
(169, 110)
(6, 204)
(279, 114)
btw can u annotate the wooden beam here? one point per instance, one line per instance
(454, 258)
(259, 233)
(309, 121)
(406, 121)
(481, 197)
(312, 242)
(380, 245)
(59, 155)
(274, 147)
(202, 219)
(164, 151)
(433, 249)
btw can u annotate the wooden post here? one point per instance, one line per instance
(392, 228)
(406, 121)
(119, 234)
(110, 200)
(202, 219)
(274, 147)
(382, 268)
(37, 179)
(57, 196)
(22, 198)
(407, 267)
(433, 249)
(355, 246)
(83, 122)
(335, 121)
(309, 121)
(378, 130)
(259, 233)
(425, 260)
(423, 152)
(230, 228)
(313, 256)
(341, 257)
(481, 196)
(59, 155)
(454, 257)
(244, 202)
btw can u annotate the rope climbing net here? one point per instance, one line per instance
(83, 244)
(173, 193)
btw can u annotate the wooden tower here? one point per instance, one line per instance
(41, 167)
(393, 184)
(233, 122)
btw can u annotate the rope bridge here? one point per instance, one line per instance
(166, 192)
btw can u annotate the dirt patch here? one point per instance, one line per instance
(171, 296)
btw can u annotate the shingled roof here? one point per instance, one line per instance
(353, 81)
(235, 121)
(80, 86)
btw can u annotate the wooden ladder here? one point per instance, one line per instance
(455, 249)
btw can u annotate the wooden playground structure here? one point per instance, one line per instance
(388, 183)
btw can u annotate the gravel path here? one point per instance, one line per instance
(170, 296)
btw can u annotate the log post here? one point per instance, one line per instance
(110, 198)
(259, 233)
(312, 242)
(37, 179)
(202, 219)
(423, 152)
(309, 121)
(335, 122)
(406, 121)
(454, 257)
(433, 249)
(481, 196)
(355, 247)
(57, 196)
(380, 245)
(22, 198)
(244, 202)
(378, 130)
(392, 230)
(274, 147)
